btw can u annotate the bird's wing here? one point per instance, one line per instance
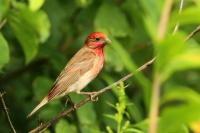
(81, 63)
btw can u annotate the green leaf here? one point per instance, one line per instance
(61, 127)
(83, 3)
(188, 60)
(25, 35)
(87, 116)
(190, 15)
(151, 27)
(151, 15)
(51, 109)
(177, 115)
(167, 50)
(41, 85)
(47, 131)
(111, 55)
(143, 126)
(34, 5)
(30, 28)
(41, 24)
(130, 65)
(110, 19)
(173, 54)
(197, 2)
(64, 127)
(109, 130)
(187, 95)
(4, 50)
(4, 4)
(110, 116)
(133, 110)
(38, 21)
(180, 115)
(133, 130)
(173, 129)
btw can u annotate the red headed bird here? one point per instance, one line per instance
(83, 67)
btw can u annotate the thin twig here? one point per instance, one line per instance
(179, 12)
(6, 112)
(197, 29)
(45, 125)
(154, 106)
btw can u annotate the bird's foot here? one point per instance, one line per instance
(93, 98)
(69, 100)
(74, 107)
(66, 102)
(72, 103)
(92, 95)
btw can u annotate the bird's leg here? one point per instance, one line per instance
(66, 102)
(71, 102)
(90, 94)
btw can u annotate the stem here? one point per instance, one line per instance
(119, 123)
(154, 104)
(164, 19)
(6, 113)
(154, 107)
(118, 127)
(180, 10)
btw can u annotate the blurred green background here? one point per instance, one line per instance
(38, 37)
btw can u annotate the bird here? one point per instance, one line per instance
(81, 69)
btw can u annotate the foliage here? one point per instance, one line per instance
(122, 126)
(4, 50)
(38, 37)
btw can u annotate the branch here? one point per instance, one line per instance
(6, 112)
(66, 112)
(197, 29)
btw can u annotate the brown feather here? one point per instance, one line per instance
(82, 62)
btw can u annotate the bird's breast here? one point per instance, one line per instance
(90, 75)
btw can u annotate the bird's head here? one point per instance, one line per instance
(97, 40)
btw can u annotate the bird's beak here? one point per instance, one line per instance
(108, 41)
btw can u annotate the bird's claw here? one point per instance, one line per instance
(93, 98)
(92, 95)
(74, 107)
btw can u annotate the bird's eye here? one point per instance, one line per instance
(97, 39)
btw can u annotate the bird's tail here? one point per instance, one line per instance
(42, 103)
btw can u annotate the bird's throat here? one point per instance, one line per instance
(99, 51)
